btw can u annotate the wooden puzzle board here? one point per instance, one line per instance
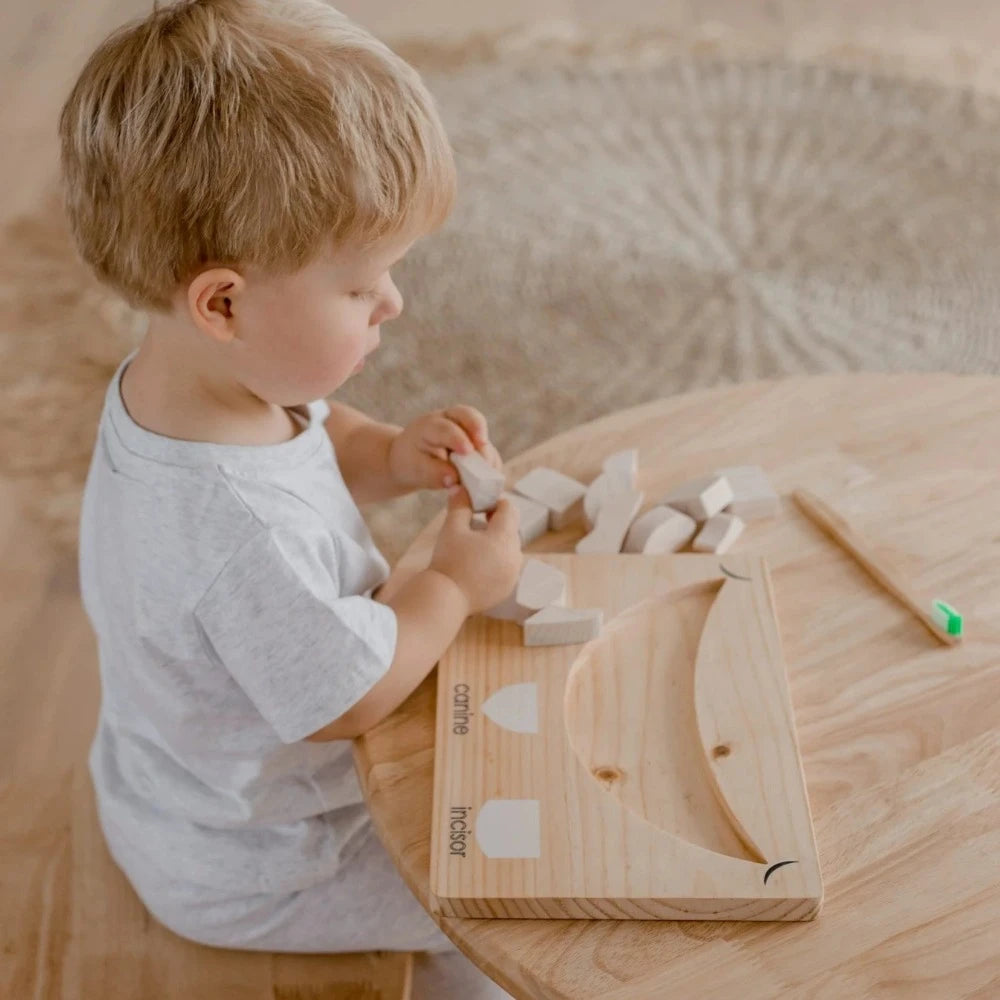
(652, 773)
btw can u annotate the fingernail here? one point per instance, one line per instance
(449, 480)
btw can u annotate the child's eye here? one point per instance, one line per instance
(370, 294)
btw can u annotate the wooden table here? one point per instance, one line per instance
(900, 736)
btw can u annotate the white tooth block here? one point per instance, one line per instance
(613, 522)
(718, 534)
(534, 520)
(484, 483)
(597, 492)
(660, 529)
(753, 494)
(623, 467)
(508, 610)
(555, 626)
(620, 475)
(701, 498)
(562, 495)
(538, 586)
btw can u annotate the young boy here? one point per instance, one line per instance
(249, 173)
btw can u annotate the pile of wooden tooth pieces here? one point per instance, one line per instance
(708, 513)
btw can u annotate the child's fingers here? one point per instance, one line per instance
(440, 473)
(459, 511)
(505, 518)
(492, 456)
(471, 421)
(444, 433)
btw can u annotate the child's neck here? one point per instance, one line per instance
(169, 389)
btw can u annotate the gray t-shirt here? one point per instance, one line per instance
(229, 587)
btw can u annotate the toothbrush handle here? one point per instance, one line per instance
(825, 517)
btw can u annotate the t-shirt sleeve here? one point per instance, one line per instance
(301, 652)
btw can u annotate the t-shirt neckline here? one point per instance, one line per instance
(177, 451)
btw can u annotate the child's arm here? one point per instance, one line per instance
(382, 461)
(362, 447)
(430, 609)
(469, 571)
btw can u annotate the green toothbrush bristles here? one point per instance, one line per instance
(948, 618)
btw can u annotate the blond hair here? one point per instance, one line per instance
(238, 132)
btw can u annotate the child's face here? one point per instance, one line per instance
(301, 336)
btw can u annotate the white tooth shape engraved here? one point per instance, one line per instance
(515, 707)
(510, 828)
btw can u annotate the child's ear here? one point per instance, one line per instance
(210, 300)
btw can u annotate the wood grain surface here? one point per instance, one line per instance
(899, 736)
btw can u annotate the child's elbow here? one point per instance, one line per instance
(347, 727)
(356, 721)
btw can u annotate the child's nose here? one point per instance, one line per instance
(391, 306)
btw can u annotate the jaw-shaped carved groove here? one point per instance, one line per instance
(638, 737)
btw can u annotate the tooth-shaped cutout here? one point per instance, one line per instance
(510, 828)
(515, 707)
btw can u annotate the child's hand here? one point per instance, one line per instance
(418, 455)
(486, 563)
